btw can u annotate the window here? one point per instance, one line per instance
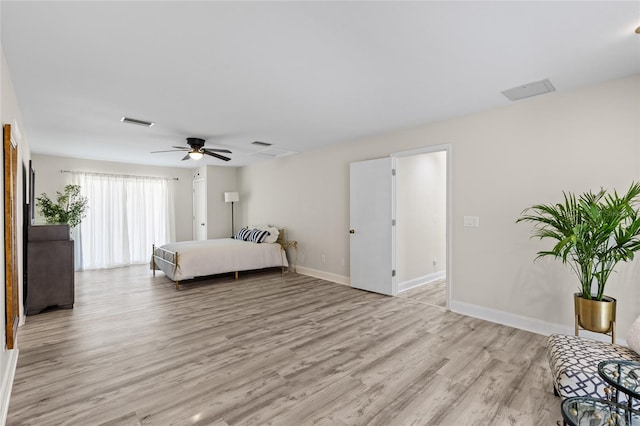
(126, 215)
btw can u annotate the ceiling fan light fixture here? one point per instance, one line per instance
(638, 30)
(196, 155)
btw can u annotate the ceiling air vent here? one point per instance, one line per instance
(272, 153)
(261, 143)
(530, 89)
(137, 122)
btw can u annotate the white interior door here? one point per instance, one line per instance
(199, 209)
(371, 230)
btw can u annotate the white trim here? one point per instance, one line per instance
(425, 150)
(417, 282)
(395, 289)
(6, 385)
(524, 323)
(339, 279)
(448, 149)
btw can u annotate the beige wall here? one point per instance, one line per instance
(421, 208)
(10, 114)
(219, 181)
(49, 179)
(502, 161)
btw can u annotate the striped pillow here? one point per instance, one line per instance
(242, 234)
(257, 235)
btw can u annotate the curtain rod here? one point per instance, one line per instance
(116, 175)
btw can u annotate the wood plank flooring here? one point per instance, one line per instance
(270, 350)
(434, 293)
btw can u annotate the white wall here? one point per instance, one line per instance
(49, 179)
(219, 181)
(421, 208)
(503, 160)
(10, 114)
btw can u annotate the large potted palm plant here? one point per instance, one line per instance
(592, 233)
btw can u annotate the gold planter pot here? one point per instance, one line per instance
(595, 315)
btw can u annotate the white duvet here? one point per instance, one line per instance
(210, 257)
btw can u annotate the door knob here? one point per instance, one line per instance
(352, 231)
(202, 224)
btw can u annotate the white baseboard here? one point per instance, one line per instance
(493, 315)
(8, 366)
(417, 282)
(339, 279)
(524, 323)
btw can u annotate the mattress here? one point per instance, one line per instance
(218, 256)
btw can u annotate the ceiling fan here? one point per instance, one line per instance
(196, 150)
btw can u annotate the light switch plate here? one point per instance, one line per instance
(472, 221)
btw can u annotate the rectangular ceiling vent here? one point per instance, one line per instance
(272, 153)
(530, 89)
(261, 143)
(137, 122)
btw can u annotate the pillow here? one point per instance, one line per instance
(257, 235)
(633, 338)
(242, 234)
(273, 233)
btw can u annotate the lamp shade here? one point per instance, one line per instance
(230, 197)
(196, 155)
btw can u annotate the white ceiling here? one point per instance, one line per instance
(300, 75)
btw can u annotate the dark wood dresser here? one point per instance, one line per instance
(50, 268)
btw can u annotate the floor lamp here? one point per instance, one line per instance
(231, 197)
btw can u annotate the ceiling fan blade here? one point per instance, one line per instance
(226, 151)
(186, 157)
(182, 148)
(169, 150)
(213, 154)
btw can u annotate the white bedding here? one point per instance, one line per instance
(210, 257)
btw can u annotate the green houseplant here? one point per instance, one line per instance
(70, 207)
(592, 233)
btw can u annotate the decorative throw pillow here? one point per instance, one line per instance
(633, 338)
(257, 235)
(273, 233)
(242, 234)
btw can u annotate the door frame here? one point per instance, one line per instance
(447, 148)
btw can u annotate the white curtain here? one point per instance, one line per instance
(126, 215)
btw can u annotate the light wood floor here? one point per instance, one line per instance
(433, 293)
(270, 350)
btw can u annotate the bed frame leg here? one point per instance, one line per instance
(177, 285)
(236, 275)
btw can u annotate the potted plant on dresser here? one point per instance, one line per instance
(70, 206)
(592, 233)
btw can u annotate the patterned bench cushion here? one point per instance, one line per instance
(574, 364)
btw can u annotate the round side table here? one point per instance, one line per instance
(624, 376)
(587, 411)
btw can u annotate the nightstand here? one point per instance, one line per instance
(294, 245)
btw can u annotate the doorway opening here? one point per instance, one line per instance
(422, 211)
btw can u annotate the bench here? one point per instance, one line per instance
(574, 362)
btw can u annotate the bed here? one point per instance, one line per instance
(191, 259)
